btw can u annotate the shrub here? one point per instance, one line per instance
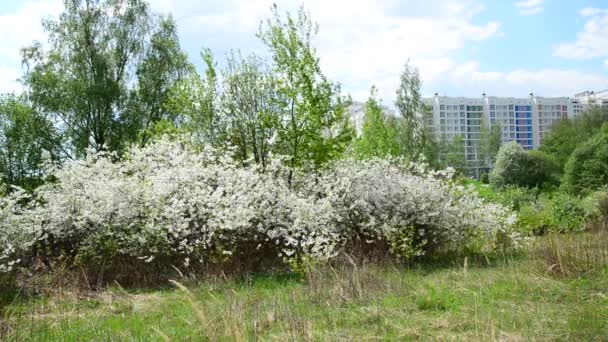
(587, 167)
(515, 166)
(541, 170)
(595, 206)
(409, 210)
(516, 197)
(536, 218)
(485, 178)
(543, 212)
(568, 213)
(507, 169)
(169, 204)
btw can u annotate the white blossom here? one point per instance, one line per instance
(171, 199)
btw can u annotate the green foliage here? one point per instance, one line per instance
(553, 291)
(484, 191)
(490, 142)
(196, 99)
(516, 197)
(452, 154)
(567, 134)
(484, 178)
(25, 137)
(378, 136)
(587, 167)
(542, 170)
(553, 212)
(438, 299)
(416, 142)
(508, 169)
(249, 103)
(542, 212)
(164, 65)
(314, 127)
(161, 128)
(84, 79)
(515, 166)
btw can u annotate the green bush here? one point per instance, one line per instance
(485, 178)
(587, 167)
(535, 218)
(596, 207)
(567, 212)
(516, 197)
(516, 167)
(541, 170)
(543, 212)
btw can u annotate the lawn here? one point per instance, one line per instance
(555, 289)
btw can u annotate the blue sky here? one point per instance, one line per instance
(462, 47)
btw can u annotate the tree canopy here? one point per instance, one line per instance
(105, 72)
(587, 167)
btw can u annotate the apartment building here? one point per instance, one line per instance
(589, 98)
(524, 120)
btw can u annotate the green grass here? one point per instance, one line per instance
(483, 190)
(500, 298)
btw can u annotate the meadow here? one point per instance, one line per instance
(553, 289)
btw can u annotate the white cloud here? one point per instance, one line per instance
(544, 82)
(19, 29)
(8, 80)
(592, 42)
(591, 11)
(530, 7)
(360, 42)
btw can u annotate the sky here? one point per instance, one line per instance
(461, 47)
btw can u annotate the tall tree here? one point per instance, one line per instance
(416, 141)
(587, 167)
(378, 136)
(197, 99)
(99, 50)
(489, 144)
(314, 126)
(249, 102)
(567, 134)
(25, 136)
(164, 64)
(452, 154)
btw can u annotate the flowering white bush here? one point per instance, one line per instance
(167, 200)
(411, 209)
(170, 201)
